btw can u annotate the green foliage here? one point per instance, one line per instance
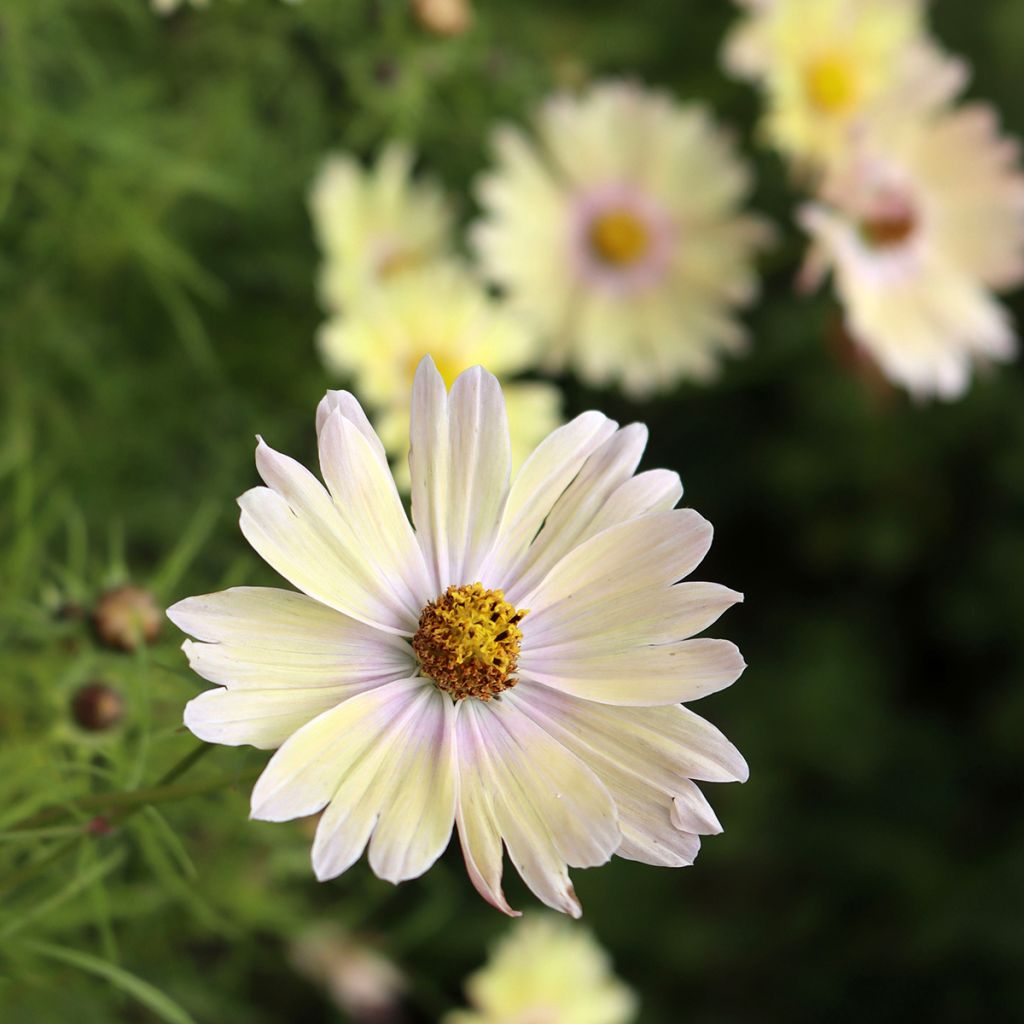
(157, 310)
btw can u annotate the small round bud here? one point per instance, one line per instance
(97, 707)
(443, 17)
(127, 617)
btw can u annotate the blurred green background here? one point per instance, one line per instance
(157, 309)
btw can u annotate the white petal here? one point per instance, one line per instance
(429, 468)
(691, 812)
(516, 782)
(644, 676)
(294, 525)
(400, 790)
(654, 615)
(657, 490)
(305, 773)
(544, 476)
(261, 718)
(568, 523)
(479, 466)
(367, 500)
(349, 407)
(665, 744)
(259, 637)
(646, 758)
(652, 551)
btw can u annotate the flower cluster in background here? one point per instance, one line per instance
(397, 291)
(614, 240)
(917, 200)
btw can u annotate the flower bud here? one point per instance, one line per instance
(443, 17)
(127, 617)
(97, 707)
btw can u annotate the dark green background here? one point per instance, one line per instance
(157, 309)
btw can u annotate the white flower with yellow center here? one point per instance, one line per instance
(372, 225)
(919, 228)
(618, 234)
(547, 971)
(441, 311)
(828, 67)
(515, 664)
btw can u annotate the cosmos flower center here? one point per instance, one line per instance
(468, 642)
(394, 260)
(886, 231)
(832, 83)
(890, 222)
(619, 238)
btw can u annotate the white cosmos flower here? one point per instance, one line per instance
(514, 665)
(617, 231)
(375, 223)
(919, 228)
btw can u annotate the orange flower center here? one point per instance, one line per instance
(887, 230)
(468, 642)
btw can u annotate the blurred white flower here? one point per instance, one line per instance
(443, 312)
(617, 232)
(514, 665)
(919, 227)
(374, 224)
(361, 982)
(170, 6)
(546, 971)
(829, 66)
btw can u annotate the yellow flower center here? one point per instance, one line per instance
(448, 367)
(619, 238)
(396, 261)
(832, 83)
(468, 642)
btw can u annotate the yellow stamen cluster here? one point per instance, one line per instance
(619, 238)
(468, 642)
(832, 84)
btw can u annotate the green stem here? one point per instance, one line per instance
(116, 807)
(128, 798)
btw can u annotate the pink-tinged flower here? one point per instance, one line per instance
(617, 231)
(919, 228)
(514, 665)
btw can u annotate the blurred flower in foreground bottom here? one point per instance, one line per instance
(924, 220)
(546, 971)
(373, 225)
(362, 983)
(443, 312)
(515, 665)
(618, 234)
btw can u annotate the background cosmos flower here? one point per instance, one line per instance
(615, 228)
(442, 311)
(546, 971)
